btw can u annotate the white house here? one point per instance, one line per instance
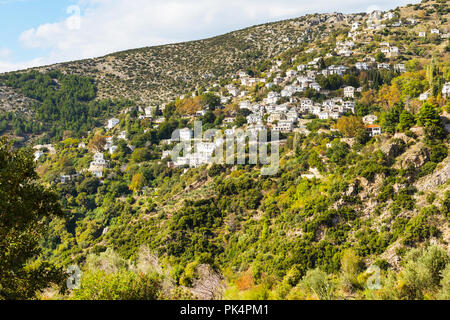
(306, 103)
(400, 67)
(149, 111)
(386, 66)
(315, 86)
(393, 50)
(301, 67)
(244, 104)
(233, 91)
(99, 159)
(205, 147)
(98, 165)
(446, 90)
(254, 118)
(273, 97)
(122, 135)
(185, 134)
(422, 34)
(200, 113)
(345, 52)
(349, 92)
(373, 129)
(291, 73)
(388, 16)
(284, 126)
(424, 96)
(370, 119)
(113, 149)
(435, 31)
(323, 115)
(362, 66)
(38, 154)
(112, 123)
(229, 120)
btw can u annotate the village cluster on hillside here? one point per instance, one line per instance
(286, 106)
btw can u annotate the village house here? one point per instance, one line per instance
(446, 90)
(122, 135)
(370, 119)
(400, 67)
(229, 120)
(254, 118)
(244, 104)
(278, 80)
(349, 92)
(386, 66)
(424, 96)
(435, 31)
(166, 154)
(200, 113)
(306, 103)
(98, 165)
(284, 126)
(339, 70)
(248, 82)
(273, 97)
(422, 34)
(185, 134)
(233, 91)
(38, 154)
(362, 66)
(254, 129)
(323, 115)
(301, 67)
(276, 116)
(393, 50)
(291, 73)
(345, 52)
(242, 74)
(112, 123)
(388, 16)
(315, 86)
(373, 130)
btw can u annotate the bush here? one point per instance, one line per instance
(318, 284)
(120, 285)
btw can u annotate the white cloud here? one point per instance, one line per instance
(105, 26)
(5, 53)
(6, 66)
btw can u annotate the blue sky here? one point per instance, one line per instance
(40, 32)
(19, 15)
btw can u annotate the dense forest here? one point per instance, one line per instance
(66, 105)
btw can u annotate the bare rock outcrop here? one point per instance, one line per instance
(439, 177)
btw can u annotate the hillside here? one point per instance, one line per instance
(361, 105)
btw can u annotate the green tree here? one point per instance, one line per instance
(24, 204)
(380, 57)
(350, 126)
(406, 120)
(429, 118)
(137, 183)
